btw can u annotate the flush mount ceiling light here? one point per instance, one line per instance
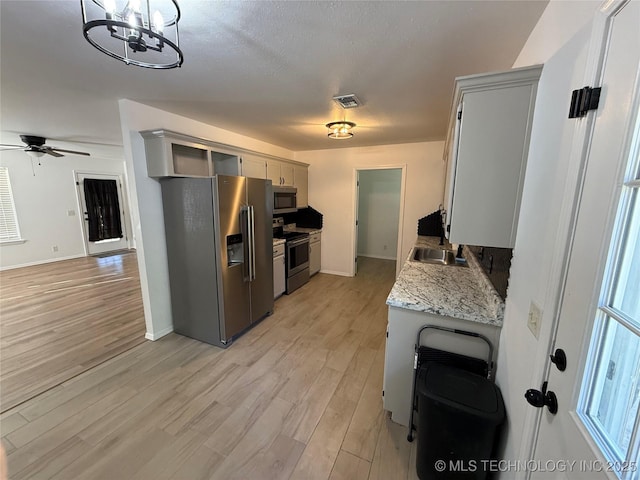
(340, 130)
(136, 32)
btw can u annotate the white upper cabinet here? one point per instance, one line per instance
(253, 166)
(301, 182)
(173, 155)
(244, 165)
(486, 154)
(280, 173)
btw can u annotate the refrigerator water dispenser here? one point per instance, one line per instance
(235, 252)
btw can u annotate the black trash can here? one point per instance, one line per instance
(459, 415)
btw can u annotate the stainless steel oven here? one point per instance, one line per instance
(296, 255)
(284, 200)
(297, 258)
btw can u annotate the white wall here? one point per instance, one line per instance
(560, 41)
(332, 177)
(379, 212)
(146, 200)
(42, 204)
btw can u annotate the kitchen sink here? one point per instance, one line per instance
(436, 256)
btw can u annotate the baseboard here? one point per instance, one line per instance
(156, 336)
(332, 272)
(380, 257)
(42, 262)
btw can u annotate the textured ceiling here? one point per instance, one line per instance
(266, 69)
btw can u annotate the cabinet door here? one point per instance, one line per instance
(273, 172)
(286, 172)
(279, 285)
(253, 167)
(314, 257)
(490, 166)
(452, 154)
(301, 182)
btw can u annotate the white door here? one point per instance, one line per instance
(114, 241)
(595, 434)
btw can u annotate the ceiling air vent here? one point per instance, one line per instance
(347, 101)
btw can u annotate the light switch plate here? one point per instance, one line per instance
(534, 320)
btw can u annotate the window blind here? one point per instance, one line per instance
(9, 230)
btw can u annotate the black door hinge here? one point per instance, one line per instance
(584, 100)
(460, 115)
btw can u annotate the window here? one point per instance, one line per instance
(9, 230)
(610, 396)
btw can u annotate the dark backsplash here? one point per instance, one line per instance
(496, 263)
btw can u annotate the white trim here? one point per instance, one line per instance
(403, 182)
(16, 241)
(380, 257)
(157, 336)
(41, 262)
(569, 212)
(335, 272)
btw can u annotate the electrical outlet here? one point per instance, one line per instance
(54, 248)
(534, 320)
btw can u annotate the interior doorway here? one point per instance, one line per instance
(101, 201)
(379, 207)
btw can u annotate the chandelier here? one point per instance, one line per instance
(340, 130)
(136, 32)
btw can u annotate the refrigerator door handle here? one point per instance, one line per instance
(246, 227)
(252, 220)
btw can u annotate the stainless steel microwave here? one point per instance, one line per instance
(284, 200)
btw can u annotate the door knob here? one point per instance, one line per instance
(559, 359)
(542, 398)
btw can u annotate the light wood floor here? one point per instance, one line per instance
(297, 397)
(60, 319)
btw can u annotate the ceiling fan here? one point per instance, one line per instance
(35, 147)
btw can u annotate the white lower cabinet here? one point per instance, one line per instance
(279, 278)
(314, 253)
(402, 329)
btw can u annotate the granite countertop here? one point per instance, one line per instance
(278, 241)
(460, 292)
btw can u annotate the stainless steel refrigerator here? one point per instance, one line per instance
(219, 248)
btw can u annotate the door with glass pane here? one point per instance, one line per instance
(103, 220)
(595, 435)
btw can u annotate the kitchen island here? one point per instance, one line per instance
(459, 297)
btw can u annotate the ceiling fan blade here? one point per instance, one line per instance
(4, 146)
(50, 149)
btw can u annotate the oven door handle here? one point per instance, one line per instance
(295, 243)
